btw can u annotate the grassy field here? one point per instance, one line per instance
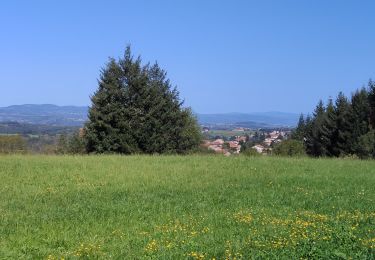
(228, 133)
(197, 207)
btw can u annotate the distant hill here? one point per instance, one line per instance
(53, 115)
(34, 129)
(255, 120)
(45, 115)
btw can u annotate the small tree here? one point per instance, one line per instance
(10, 144)
(289, 148)
(76, 144)
(62, 144)
(300, 132)
(366, 145)
(371, 99)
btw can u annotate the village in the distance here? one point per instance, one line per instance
(233, 141)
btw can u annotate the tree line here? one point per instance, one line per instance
(341, 127)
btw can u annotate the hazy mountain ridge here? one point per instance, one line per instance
(34, 129)
(262, 119)
(45, 114)
(53, 115)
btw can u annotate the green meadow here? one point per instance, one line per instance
(228, 133)
(186, 207)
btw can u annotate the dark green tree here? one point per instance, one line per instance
(371, 98)
(361, 117)
(344, 143)
(300, 132)
(343, 128)
(314, 144)
(308, 125)
(166, 127)
(108, 129)
(76, 144)
(328, 130)
(136, 110)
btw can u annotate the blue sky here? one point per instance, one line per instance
(224, 56)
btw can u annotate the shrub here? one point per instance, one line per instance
(250, 152)
(12, 144)
(289, 148)
(366, 145)
(203, 150)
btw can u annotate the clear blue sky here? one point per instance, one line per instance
(224, 56)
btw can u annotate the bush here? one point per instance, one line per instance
(366, 145)
(203, 150)
(71, 144)
(12, 144)
(250, 152)
(289, 148)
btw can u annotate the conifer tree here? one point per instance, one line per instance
(328, 130)
(344, 128)
(300, 132)
(308, 127)
(361, 117)
(108, 130)
(314, 145)
(371, 98)
(366, 145)
(137, 110)
(344, 143)
(76, 144)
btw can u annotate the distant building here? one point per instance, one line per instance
(205, 129)
(240, 138)
(259, 148)
(267, 141)
(206, 143)
(218, 142)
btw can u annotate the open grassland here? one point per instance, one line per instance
(197, 207)
(228, 133)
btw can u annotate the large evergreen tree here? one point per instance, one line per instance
(135, 109)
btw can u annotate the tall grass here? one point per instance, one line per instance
(178, 207)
